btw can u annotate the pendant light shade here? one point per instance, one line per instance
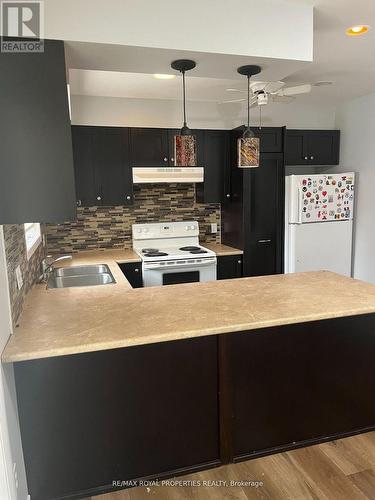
(185, 144)
(248, 146)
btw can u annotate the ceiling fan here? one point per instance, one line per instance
(265, 92)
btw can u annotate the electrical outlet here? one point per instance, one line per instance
(213, 228)
(19, 277)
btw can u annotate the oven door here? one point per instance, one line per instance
(179, 273)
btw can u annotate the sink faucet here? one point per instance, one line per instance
(48, 267)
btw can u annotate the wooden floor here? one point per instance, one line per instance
(339, 470)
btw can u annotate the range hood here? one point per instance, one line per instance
(157, 175)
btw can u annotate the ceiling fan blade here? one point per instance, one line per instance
(282, 99)
(235, 90)
(272, 87)
(298, 89)
(232, 101)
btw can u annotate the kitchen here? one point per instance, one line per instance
(109, 376)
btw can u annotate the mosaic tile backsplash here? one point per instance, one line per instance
(15, 252)
(110, 227)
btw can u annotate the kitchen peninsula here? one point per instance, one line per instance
(115, 383)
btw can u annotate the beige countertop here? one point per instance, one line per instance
(222, 250)
(66, 321)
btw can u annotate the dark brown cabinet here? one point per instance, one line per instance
(229, 267)
(264, 243)
(102, 166)
(253, 217)
(36, 160)
(149, 147)
(312, 147)
(215, 159)
(133, 273)
(122, 414)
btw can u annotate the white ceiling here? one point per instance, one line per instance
(349, 62)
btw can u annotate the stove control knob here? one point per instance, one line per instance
(145, 229)
(139, 230)
(187, 228)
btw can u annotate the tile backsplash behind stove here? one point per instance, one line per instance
(110, 227)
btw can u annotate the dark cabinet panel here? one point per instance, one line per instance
(264, 241)
(102, 166)
(36, 158)
(112, 166)
(83, 166)
(309, 381)
(122, 414)
(312, 147)
(133, 273)
(149, 147)
(253, 219)
(229, 266)
(296, 147)
(324, 147)
(215, 161)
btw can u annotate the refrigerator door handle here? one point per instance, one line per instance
(299, 206)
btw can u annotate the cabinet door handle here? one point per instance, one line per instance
(228, 195)
(264, 241)
(136, 270)
(165, 159)
(79, 203)
(98, 198)
(128, 197)
(311, 157)
(306, 157)
(172, 160)
(239, 262)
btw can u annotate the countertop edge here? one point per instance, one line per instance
(125, 343)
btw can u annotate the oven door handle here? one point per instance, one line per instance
(178, 266)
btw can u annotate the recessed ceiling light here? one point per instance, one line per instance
(160, 76)
(359, 29)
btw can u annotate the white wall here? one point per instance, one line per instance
(10, 440)
(235, 27)
(122, 112)
(356, 119)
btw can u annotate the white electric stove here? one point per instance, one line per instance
(171, 253)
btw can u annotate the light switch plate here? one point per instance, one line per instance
(19, 277)
(213, 228)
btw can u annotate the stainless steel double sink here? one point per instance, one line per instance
(63, 277)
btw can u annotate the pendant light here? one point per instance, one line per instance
(185, 144)
(248, 146)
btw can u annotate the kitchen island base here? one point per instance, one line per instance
(170, 408)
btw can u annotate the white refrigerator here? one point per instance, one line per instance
(319, 222)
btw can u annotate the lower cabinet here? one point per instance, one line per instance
(229, 266)
(133, 273)
(300, 383)
(118, 415)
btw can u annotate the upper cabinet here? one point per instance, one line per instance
(36, 145)
(149, 147)
(102, 166)
(312, 147)
(215, 158)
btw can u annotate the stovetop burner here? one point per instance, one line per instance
(189, 249)
(149, 250)
(198, 250)
(155, 254)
